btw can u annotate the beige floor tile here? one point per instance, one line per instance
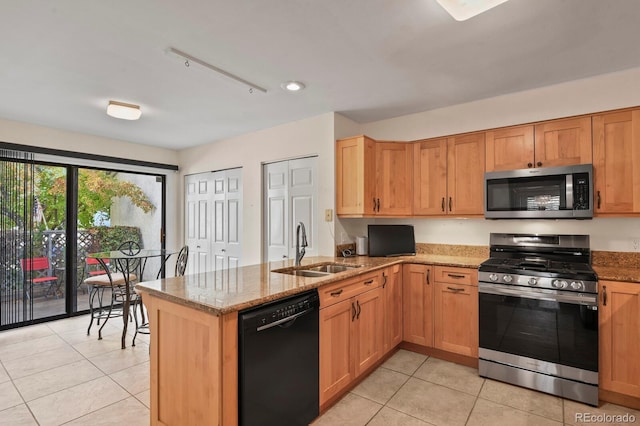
(9, 396)
(487, 413)
(388, 417)
(134, 379)
(77, 401)
(59, 378)
(17, 416)
(432, 403)
(24, 334)
(110, 342)
(69, 324)
(405, 362)
(4, 376)
(381, 385)
(352, 410)
(76, 336)
(130, 412)
(576, 413)
(451, 375)
(528, 400)
(121, 359)
(41, 362)
(144, 397)
(30, 347)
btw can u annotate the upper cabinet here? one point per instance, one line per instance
(373, 178)
(548, 144)
(616, 162)
(430, 177)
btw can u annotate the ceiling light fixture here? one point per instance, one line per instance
(188, 60)
(123, 110)
(461, 10)
(292, 86)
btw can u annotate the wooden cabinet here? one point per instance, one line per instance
(548, 144)
(616, 162)
(373, 178)
(351, 332)
(392, 292)
(456, 310)
(449, 176)
(417, 304)
(619, 317)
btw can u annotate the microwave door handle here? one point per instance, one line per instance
(591, 300)
(569, 188)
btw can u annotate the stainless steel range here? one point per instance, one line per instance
(539, 314)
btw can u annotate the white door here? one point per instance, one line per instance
(290, 196)
(233, 224)
(198, 189)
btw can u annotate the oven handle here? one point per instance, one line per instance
(539, 294)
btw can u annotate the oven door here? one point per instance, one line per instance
(558, 328)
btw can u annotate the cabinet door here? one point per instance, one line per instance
(456, 318)
(619, 337)
(355, 176)
(392, 289)
(394, 178)
(465, 174)
(509, 149)
(430, 177)
(368, 330)
(616, 162)
(417, 304)
(336, 338)
(563, 142)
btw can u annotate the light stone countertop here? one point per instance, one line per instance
(231, 290)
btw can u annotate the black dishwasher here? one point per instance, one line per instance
(278, 362)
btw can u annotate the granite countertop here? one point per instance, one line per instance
(231, 290)
(614, 273)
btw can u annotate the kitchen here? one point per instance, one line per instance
(317, 135)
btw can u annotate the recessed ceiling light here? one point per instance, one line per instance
(292, 86)
(123, 110)
(461, 10)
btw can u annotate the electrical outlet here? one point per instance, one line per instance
(328, 215)
(635, 243)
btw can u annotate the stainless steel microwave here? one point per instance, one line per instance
(541, 193)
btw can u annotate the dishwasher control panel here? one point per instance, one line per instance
(282, 312)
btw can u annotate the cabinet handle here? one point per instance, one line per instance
(428, 281)
(368, 282)
(374, 204)
(456, 276)
(604, 295)
(598, 199)
(529, 165)
(455, 289)
(384, 283)
(353, 311)
(359, 310)
(539, 164)
(450, 201)
(378, 205)
(336, 293)
(442, 203)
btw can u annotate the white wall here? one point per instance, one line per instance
(312, 136)
(610, 91)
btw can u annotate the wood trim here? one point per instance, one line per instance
(619, 399)
(440, 354)
(229, 368)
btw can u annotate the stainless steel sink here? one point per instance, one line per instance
(317, 270)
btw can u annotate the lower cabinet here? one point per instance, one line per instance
(417, 304)
(392, 291)
(351, 333)
(619, 317)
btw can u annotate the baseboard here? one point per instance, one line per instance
(440, 354)
(619, 399)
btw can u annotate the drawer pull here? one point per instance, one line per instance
(336, 293)
(455, 289)
(353, 311)
(368, 282)
(359, 310)
(456, 276)
(604, 295)
(428, 281)
(384, 283)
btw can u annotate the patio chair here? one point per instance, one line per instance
(37, 271)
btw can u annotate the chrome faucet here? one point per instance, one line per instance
(300, 245)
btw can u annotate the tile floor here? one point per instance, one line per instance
(54, 374)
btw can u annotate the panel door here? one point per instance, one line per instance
(563, 142)
(394, 178)
(198, 232)
(276, 211)
(355, 181)
(465, 174)
(430, 177)
(616, 162)
(509, 148)
(368, 325)
(303, 203)
(335, 348)
(233, 226)
(417, 304)
(219, 209)
(392, 289)
(456, 318)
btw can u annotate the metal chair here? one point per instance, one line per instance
(115, 281)
(38, 271)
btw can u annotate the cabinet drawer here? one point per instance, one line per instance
(343, 290)
(454, 275)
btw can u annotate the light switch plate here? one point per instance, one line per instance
(328, 215)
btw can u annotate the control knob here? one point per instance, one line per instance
(559, 283)
(532, 281)
(576, 285)
(493, 277)
(507, 278)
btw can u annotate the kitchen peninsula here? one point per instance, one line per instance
(194, 328)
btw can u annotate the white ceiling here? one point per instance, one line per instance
(62, 60)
